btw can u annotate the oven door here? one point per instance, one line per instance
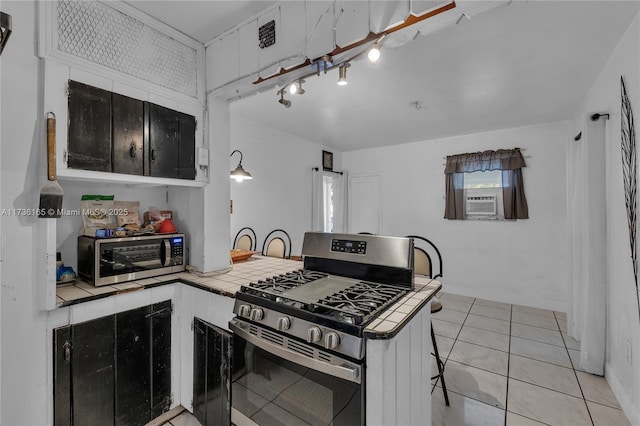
(274, 385)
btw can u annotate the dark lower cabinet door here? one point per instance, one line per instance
(161, 358)
(164, 141)
(133, 375)
(92, 378)
(62, 376)
(128, 132)
(89, 138)
(212, 374)
(114, 370)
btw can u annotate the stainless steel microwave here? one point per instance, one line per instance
(104, 261)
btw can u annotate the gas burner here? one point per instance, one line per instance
(281, 283)
(360, 302)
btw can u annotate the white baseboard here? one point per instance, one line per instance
(631, 410)
(500, 295)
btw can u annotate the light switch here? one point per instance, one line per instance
(203, 157)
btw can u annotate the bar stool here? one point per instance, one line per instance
(436, 306)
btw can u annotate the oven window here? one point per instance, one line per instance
(128, 257)
(270, 390)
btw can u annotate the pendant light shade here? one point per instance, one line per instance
(239, 174)
(5, 29)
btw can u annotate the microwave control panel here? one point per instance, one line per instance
(177, 250)
(349, 246)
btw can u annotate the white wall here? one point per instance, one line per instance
(25, 363)
(623, 321)
(520, 261)
(279, 195)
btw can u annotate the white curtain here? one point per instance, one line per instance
(586, 319)
(340, 202)
(319, 199)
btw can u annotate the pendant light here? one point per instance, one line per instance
(239, 174)
(5, 29)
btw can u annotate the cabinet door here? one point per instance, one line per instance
(164, 138)
(187, 161)
(93, 372)
(212, 374)
(89, 138)
(161, 358)
(62, 376)
(200, 370)
(133, 373)
(128, 128)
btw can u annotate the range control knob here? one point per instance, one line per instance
(283, 323)
(257, 314)
(331, 340)
(244, 310)
(314, 334)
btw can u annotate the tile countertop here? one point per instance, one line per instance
(390, 322)
(227, 282)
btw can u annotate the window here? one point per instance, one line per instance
(327, 203)
(485, 184)
(483, 195)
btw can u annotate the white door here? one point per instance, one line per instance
(364, 204)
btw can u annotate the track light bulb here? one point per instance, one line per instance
(374, 54)
(293, 88)
(342, 81)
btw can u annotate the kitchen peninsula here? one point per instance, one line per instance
(389, 337)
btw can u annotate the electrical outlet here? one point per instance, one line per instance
(629, 353)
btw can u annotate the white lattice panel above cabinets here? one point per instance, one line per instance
(117, 40)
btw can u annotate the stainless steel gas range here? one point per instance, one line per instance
(299, 348)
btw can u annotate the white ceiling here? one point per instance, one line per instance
(517, 64)
(201, 20)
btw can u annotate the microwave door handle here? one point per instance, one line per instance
(167, 253)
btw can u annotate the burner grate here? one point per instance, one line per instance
(281, 283)
(360, 302)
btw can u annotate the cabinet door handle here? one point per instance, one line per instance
(132, 150)
(67, 352)
(153, 155)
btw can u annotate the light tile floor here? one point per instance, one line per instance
(507, 365)
(514, 365)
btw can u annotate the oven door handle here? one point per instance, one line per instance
(346, 370)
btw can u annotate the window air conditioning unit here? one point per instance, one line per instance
(481, 205)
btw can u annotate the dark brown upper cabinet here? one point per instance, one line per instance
(128, 135)
(109, 132)
(89, 146)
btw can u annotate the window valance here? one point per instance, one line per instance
(501, 159)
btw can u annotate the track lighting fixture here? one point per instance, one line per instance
(283, 101)
(239, 174)
(326, 63)
(342, 81)
(296, 87)
(374, 54)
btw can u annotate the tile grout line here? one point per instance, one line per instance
(506, 401)
(575, 373)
